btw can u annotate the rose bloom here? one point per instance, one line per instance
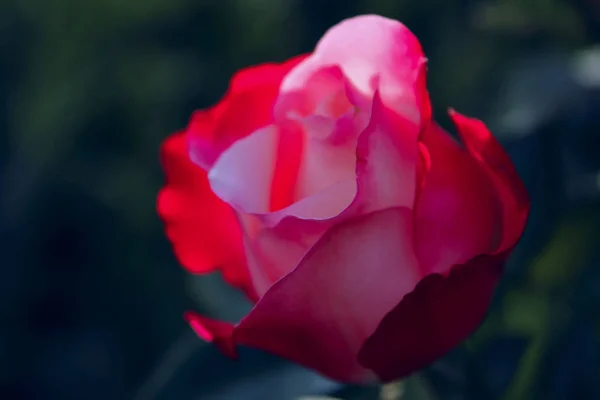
(368, 239)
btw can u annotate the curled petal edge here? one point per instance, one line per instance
(512, 194)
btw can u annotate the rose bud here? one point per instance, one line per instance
(369, 240)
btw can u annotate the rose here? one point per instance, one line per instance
(369, 240)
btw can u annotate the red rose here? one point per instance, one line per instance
(370, 241)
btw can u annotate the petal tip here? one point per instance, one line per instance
(217, 332)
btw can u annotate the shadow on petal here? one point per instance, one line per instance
(431, 320)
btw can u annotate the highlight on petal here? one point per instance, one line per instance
(282, 166)
(456, 211)
(246, 107)
(372, 52)
(510, 191)
(203, 229)
(243, 174)
(439, 314)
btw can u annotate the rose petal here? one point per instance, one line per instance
(323, 94)
(203, 229)
(326, 178)
(423, 167)
(387, 158)
(457, 216)
(278, 165)
(510, 191)
(388, 154)
(434, 318)
(213, 331)
(372, 52)
(272, 252)
(243, 174)
(246, 107)
(320, 317)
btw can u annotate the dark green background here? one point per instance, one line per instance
(91, 296)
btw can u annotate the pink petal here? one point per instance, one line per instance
(326, 177)
(509, 189)
(457, 217)
(372, 52)
(387, 158)
(282, 165)
(243, 174)
(203, 229)
(439, 314)
(273, 251)
(323, 93)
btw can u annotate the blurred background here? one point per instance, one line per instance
(91, 296)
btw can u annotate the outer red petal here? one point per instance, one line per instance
(203, 229)
(511, 192)
(434, 318)
(320, 314)
(457, 215)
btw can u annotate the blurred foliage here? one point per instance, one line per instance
(91, 296)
